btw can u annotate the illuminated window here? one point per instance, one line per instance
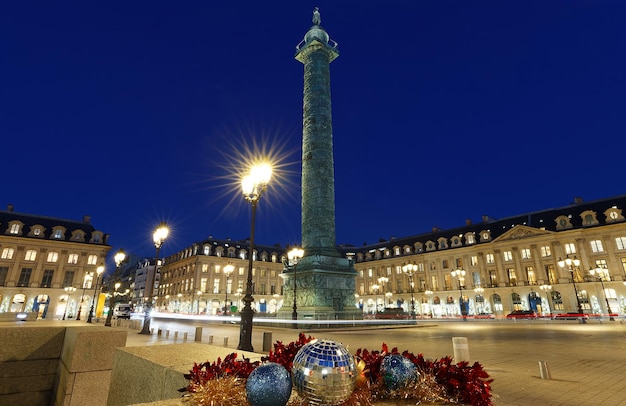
(72, 259)
(57, 234)
(596, 246)
(474, 260)
(216, 285)
(621, 243)
(546, 251)
(53, 256)
(7, 253)
(15, 229)
(512, 277)
(92, 259)
(490, 259)
(569, 248)
(242, 271)
(508, 256)
(525, 253)
(530, 275)
(31, 255)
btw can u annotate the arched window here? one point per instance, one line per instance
(557, 300)
(497, 302)
(517, 301)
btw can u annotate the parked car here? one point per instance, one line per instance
(571, 316)
(522, 314)
(484, 316)
(390, 313)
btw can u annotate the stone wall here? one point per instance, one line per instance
(56, 365)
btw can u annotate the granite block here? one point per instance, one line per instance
(14, 369)
(91, 348)
(23, 384)
(31, 342)
(26, 399)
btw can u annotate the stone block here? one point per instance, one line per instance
(31, 343)
(91, 348)
(26, 399)
(150, 374)
(29, 368)
(27, 384)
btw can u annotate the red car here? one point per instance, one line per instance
(522, 314)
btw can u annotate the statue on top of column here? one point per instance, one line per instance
(317, 19)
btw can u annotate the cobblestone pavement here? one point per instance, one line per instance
(587, 362)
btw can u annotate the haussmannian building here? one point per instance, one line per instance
(41, 256)
(504, 264)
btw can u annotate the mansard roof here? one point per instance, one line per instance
(48, 224)
(538, 220)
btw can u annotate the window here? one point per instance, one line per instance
(525, 252)
(569, 248)
(497, 302)
(546, 251)
(52, 256)
(203, 284)
(512, 277)
(7, 253)
(557, 301)
(397, 251)
(24, 277)
(470, 238)
(517, 301)
(68, 278)
(551, 274)
(92, 259)
(621, 243)
(493, 279)
(207, 250)
(72, 259)
(15, 229)
(474, 260)
(37, 232)
(489, 258)
(508, 256)
(433, 282)
(459, 263)
(31, 255)
(530, 275)
(216, 285)
(370, 272)
(242, 271)
(205, 268)
(46, 281)
(4, 270)
(444, 263)
(596, 246)
(57, 234)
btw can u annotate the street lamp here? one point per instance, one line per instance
(158, 237)
(252, 185)
(119, 258)
(228, 269)
(99, 272)
(576, 262)
(410, 270)
(69, 290)
(375, 288)
(460, 275)
(600, 276)
(294, 256)
(547, 288)
(383, 285)
(80, 306)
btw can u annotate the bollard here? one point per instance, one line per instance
(267, 341)
(198, 334)
(175, 335)
(461, 349)
(159, 332)
(210, 339)
(185, 336)
(167, 333)
(544, 371)
(225, 341)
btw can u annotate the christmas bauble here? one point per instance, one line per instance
(268, 385)
(397, 371)
(324, 372)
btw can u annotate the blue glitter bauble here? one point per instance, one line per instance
(397, 371)
(324, 372)
(268, 385)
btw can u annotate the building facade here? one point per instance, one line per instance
(194, 280)
(503, 265)
(42, 256)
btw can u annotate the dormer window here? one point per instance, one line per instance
(57, 234)
(14, 229)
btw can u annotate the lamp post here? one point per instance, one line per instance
(294, 256)
(429, 294)
(80, 306)
(228, 269)
(375, 288)
(69, 290)
(158, 237)
(410, 270)
(547, 288)
(252, 185)
(120, 256)
(460, 275)
(383, 284)
(600, 276)
(576, 262)
(99, 272)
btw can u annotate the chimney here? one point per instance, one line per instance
(9, 207)
(87, 219)
(468, 222)
(578, 200)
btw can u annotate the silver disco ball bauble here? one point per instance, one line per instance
(324, 372)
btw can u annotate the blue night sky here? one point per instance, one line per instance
(138, 112)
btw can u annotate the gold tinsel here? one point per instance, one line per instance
(226, 391)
